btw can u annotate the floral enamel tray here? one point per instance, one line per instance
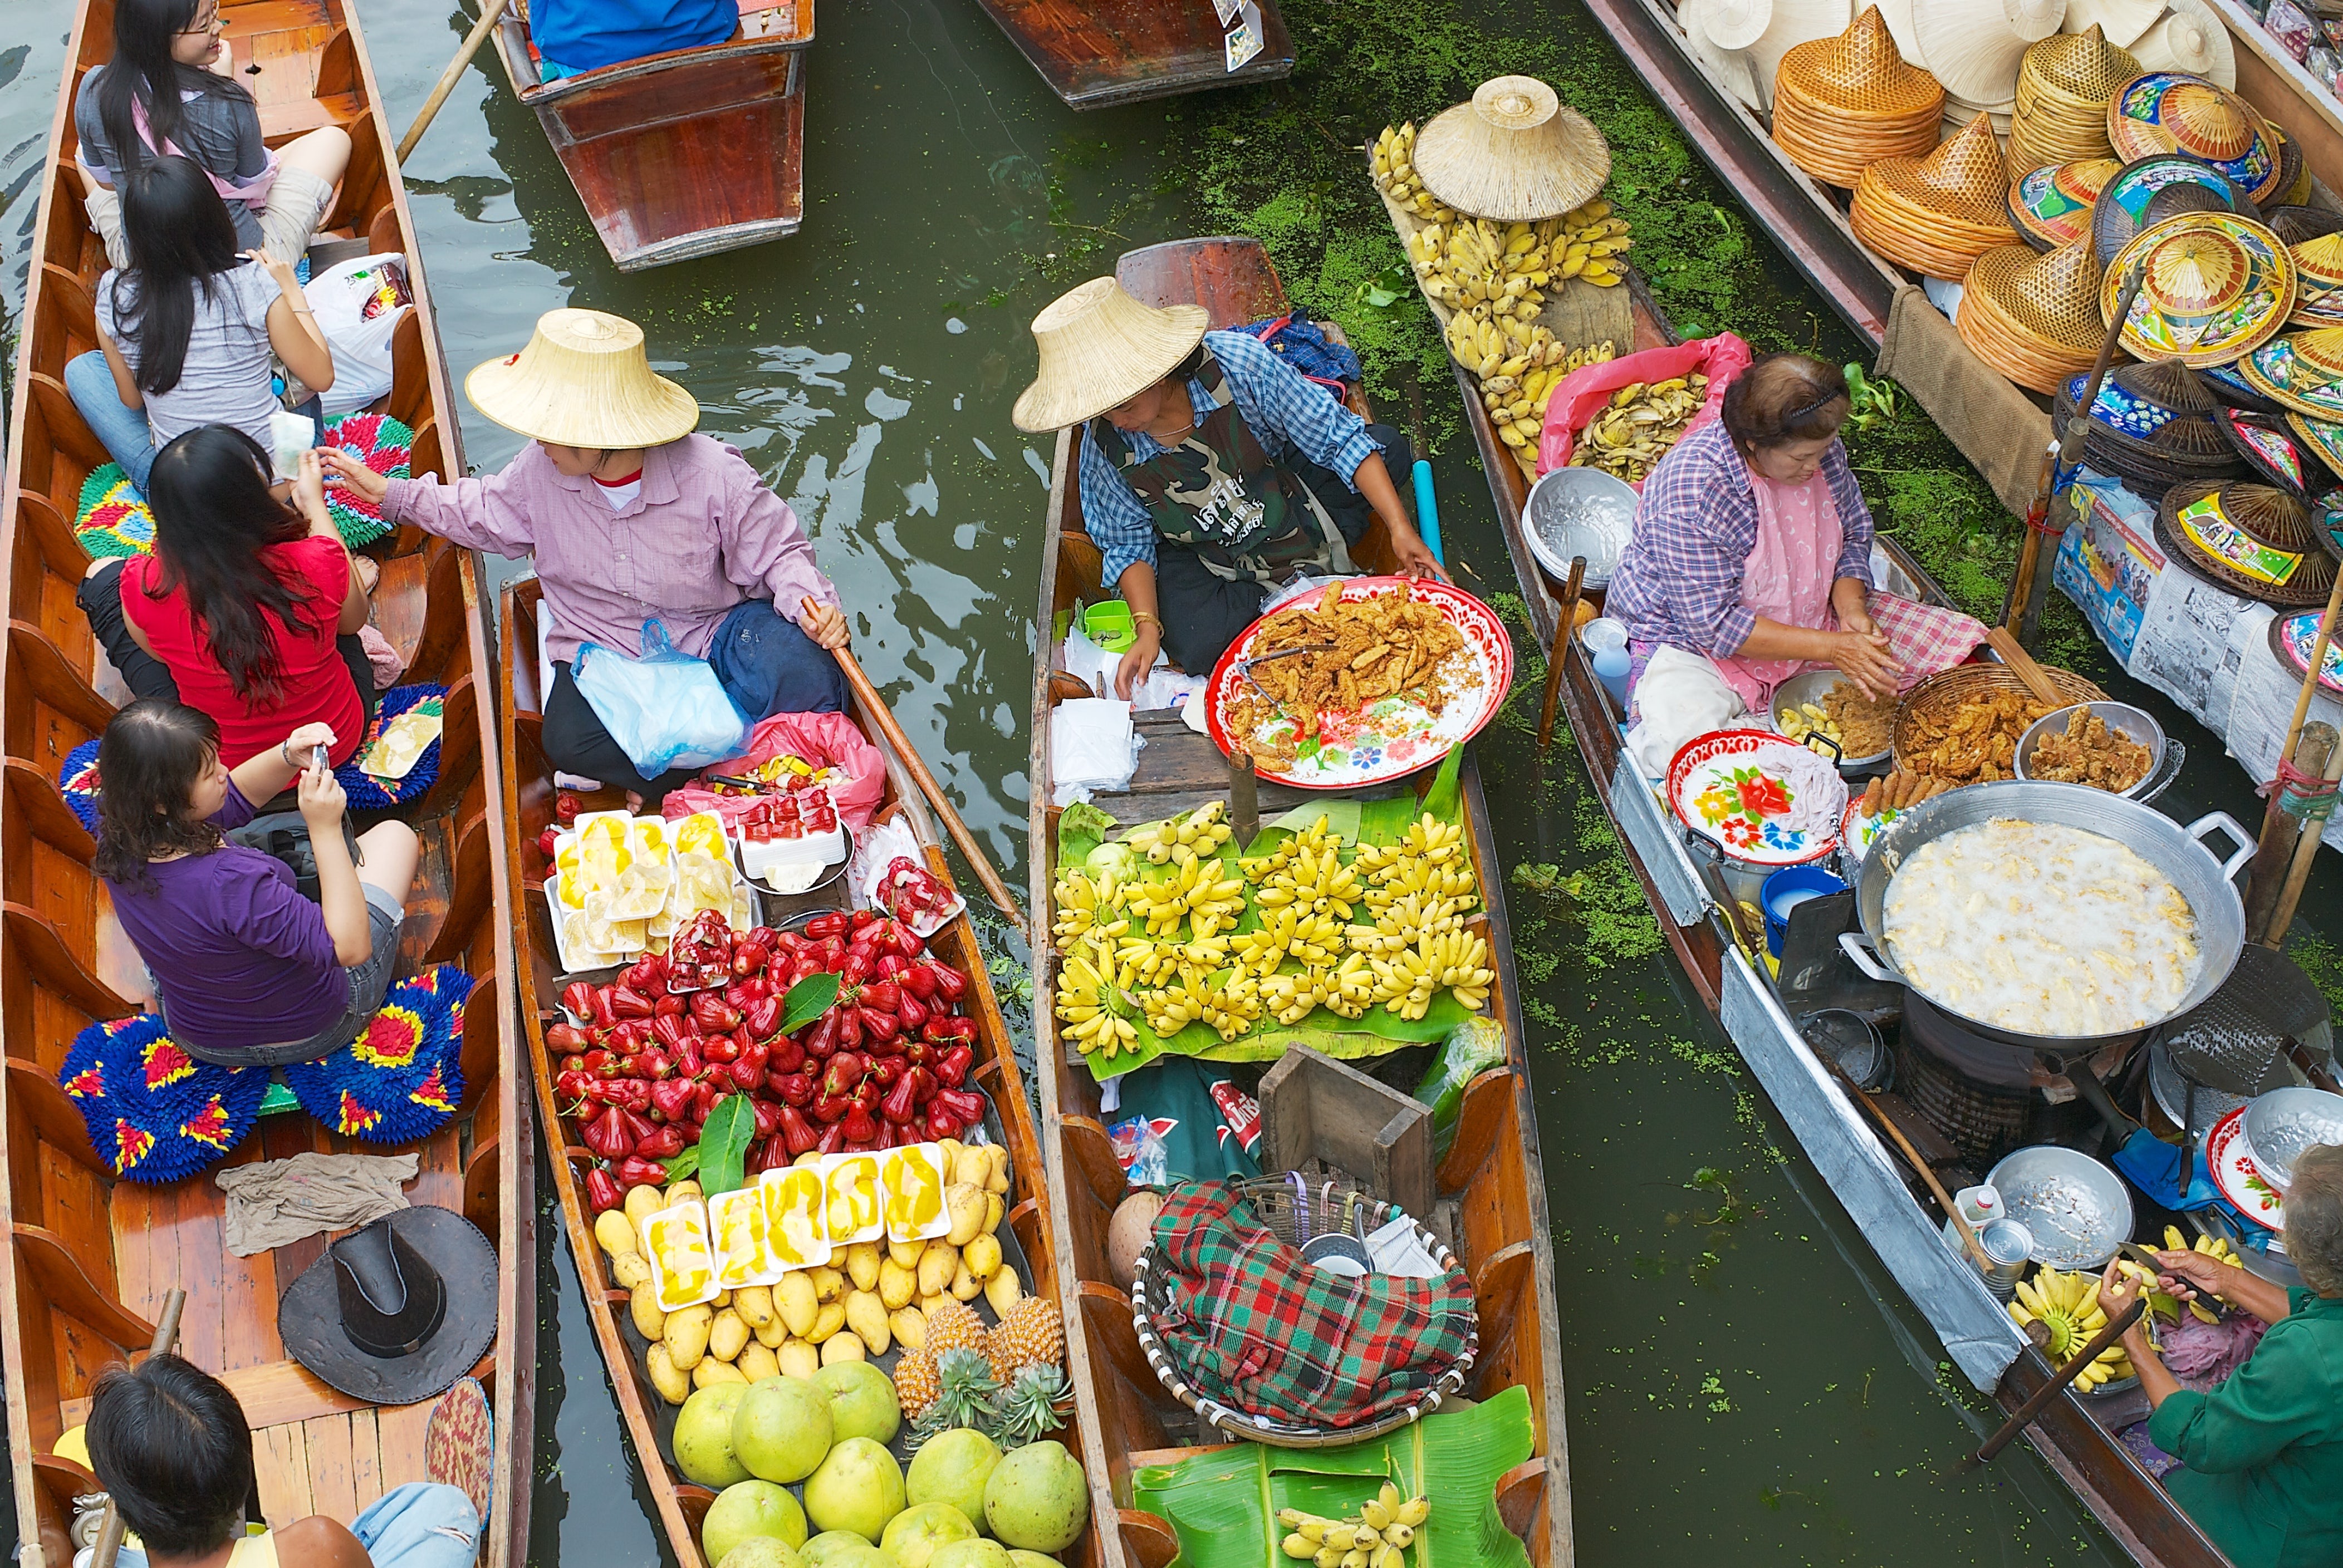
(1390, 736)
(2232, 1169)
(1717, 788)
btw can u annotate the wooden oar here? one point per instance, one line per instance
(2112, 1330)
(446, 83)
(1561, 650)
(884, 718)
(110, 1530)
(1952, 1209)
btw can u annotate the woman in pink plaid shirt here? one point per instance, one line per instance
(1752, 563)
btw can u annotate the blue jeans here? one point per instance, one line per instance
(421, 1524)
(120, 429)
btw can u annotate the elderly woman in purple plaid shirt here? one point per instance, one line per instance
(1750, 563)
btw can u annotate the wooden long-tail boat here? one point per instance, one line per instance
(685, 153)
(528, 806)
(1094, 53)
(1491, 1194)
(91, 1259)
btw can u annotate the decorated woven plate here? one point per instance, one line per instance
(2269, 451)
(2231, 1166)
(2212, 286)
(2171, 112)
(1390, 737)
(2303, 371)
(1719, 786)
(2051, 205)
(2290, 636)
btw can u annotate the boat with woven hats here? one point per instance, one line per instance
(2213, 286)
(1938, 215)
(2301, 371)
(1514, 153)
(2051, 205)
(2065, 84)
(2148, 190)
(1841, 103)
(138, 1169)
(2033, 317)
(2169, 112)
(2253, 539)
(2318, 281)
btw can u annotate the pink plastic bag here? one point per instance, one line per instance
(1581, 395)
(825, 739)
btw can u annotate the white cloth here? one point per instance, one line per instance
(280, 1202)
(1093, 747)
(1682, 695)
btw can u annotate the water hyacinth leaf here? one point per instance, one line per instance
(808, 1001)
(724, 1144)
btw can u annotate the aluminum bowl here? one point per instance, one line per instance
(1810, 687)
(2283, 1124)
(1581, 512)
(2134, 724)
(2075, 1207)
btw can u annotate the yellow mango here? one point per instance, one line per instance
(686, 1336)
(628, 1269)
(909, 1327)
(1003, 1291)
(673, 1386)
(754, 1304)
(772, 1333)
(965, 1286)
(898, 1282)
(642, 1202)
(757, 1363)
(649, 1322)
(727, 1335)
(982, 1256)
(831, 1319)
(936, 1266)
(866, 1316)
(993, 1211)
(828, 1284)
(965, 1201)
(906, 1254)
(842, 1346)
(794, 1299)
(799, 1359)
(615, 1233)
(710, 1372)
(862, 1264)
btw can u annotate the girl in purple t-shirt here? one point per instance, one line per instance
(247, 972)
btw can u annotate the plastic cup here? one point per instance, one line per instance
(1109, 626)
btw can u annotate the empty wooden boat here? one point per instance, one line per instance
(1094, 53)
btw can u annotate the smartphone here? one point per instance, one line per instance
(319, 759)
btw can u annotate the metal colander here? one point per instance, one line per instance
(2234, 1041)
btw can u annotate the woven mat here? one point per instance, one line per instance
(1996, 427)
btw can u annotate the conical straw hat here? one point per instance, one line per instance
(1730, 67)
(2303, 371)
(1938, 215)
(2190, 39)
(2318, 282)
(2121, 20)
(2080, 65)
(1792, 23)
(1514, 154)
(583, 381)
(1100, 348)
(2171, 112)
(2051, 205)
(1842, 103)
(1736, 24)
(2212, 286)
(2034, 317)
(1897, 14)
(2064, 86)
(1974, 46)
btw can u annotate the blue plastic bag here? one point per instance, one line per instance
(666, 709)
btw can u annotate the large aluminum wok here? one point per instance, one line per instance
(2156, 838)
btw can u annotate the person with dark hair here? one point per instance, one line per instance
(247, 971)
(1212, 472)
(1751, 562)
(171, 1448)
(248, 609)
(2261, 1454)
(186, 335)
(170, 88)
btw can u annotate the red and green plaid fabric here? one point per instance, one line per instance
(1252, 1325)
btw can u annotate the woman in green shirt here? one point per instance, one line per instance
(2262, 1455)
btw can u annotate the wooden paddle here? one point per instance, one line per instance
(110, 1531)
(1944, 1198)
(489, 13)
(884, 718)
(1561, 650)
(2021, 664)
(2114, 1330)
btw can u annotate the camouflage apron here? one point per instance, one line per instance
(1220, 495)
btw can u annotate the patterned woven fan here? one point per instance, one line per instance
(403, 1078)
(156, 1114)
(111, 519)
(368, 793)
(77, 781)
(2252, 540)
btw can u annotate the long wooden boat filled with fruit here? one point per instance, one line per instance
(1155, 1458)
(814, 1092)
(96, 1244)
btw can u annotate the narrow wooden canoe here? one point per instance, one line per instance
(91, 1258)
(1094, 53)
(1491, 1186)
(529, 800)
(685, 153)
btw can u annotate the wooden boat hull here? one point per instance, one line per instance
(1494, 1175)
(528, 809)
(91, 1258)
(1097, 53)
(684, 154)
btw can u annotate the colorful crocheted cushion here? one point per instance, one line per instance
(384, 445)
(78, 779)
(155, 1113)
(403, 1078)
(368, 793)
(111, 518)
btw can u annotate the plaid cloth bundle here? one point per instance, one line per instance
(1254, 1327)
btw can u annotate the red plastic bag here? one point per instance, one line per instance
(825, 739)
(1578, 397)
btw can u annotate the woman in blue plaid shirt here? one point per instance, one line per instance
(1211, 472)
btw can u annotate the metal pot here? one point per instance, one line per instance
(2134, 724)
(2156, 838)
(1810, 687)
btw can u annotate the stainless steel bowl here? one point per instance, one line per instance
(2283, 1124)
(2075, 1207)
(2148, 832)
(1800, 689)
(2135, 724)
(1581, 512)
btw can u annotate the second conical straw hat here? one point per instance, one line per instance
(583, 380)
(1938, 215)
(1515, 153)
(2064, 87)
(2034, 317)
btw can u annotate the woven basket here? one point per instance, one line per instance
(2267, 514)
(1295, 1209)
(1842, 104)
(2032, 318)
(2064, 86)
(1938, 215)
(1936, 698)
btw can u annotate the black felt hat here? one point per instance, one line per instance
(397, 1312)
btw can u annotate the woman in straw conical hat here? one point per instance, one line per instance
(1211, 471)
(632, 517)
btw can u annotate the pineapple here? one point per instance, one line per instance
(954, 1327)
(1032, 1333)
(916, 1383)
(964, 1397)
(1028, 1404)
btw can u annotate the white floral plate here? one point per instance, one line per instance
(1718, 788)
(2231, 1166)
(1857, 832)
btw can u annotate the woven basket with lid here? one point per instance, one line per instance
(1841, 104)
(1938, 215)
(2034, 317)
(2064, 86)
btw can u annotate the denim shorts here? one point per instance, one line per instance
(369, 982)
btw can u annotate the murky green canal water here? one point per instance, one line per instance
(1745, 1384)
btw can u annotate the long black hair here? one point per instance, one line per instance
(181, 240)
(149, 762)
(213, 516)
(143, 72)
(172, 1447)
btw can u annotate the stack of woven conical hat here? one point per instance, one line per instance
(2034, 317)
(1840, 104)
(1938, 215)
(2064, 86)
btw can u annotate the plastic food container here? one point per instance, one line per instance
(1784, 890)
(854, 1205)
(797, 1230)
(682, 1260)
(743, 1250)
(911, 1181)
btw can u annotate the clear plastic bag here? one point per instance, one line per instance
(666, 709)
(1471, 1048)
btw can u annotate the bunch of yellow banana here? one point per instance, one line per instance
(1083, 908)
(1591, 235)
(1086, 1001)
(1628, 439)
(1310, 939)
(1427, 838)
(2217, 1248)
(1392, 160)
(1399, 923)
(1145, 960)
(1318, 837)
(1201, 832)
(1196, 894)
(1175, 1007)
(1315, 881)
(1377, 1536)
(2067, 1306)
(1234, 1007)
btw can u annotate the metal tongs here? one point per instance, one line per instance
(1244, 666)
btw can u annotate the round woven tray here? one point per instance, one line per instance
(1293, 1210)
(1935, 698)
